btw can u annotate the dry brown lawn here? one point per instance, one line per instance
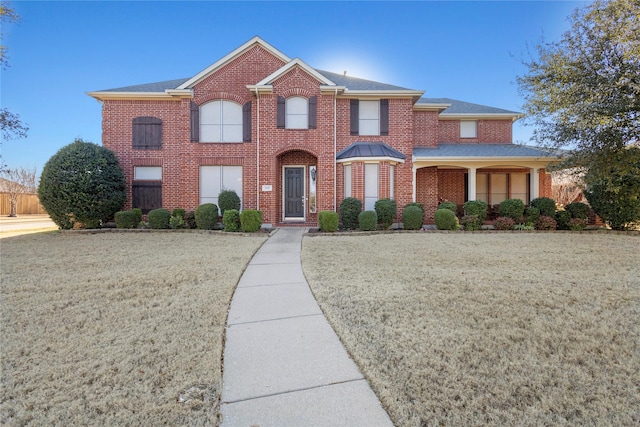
(488, 328)
(115, 328)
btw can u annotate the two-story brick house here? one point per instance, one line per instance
(292, 141)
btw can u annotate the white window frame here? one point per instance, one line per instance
(214, 179)
(392, 181)
(369, 117)
(147, 173)
(468, 129)
(221, 121)
(296, 113)
(371, 185)
(347, 181)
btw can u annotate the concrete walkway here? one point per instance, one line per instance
(283, 363)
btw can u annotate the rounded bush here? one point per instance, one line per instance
(416, 204)
(189, 220)
(449, 205)
(504, 223)
(206, 216)
(546, 205)
(531, 215)
(470, 222)
(250, 220)
(578, 210)
(82, 185)
(231, 220)
(126, 219)
(546, 223)
(368, 220)
(159, 218)
(178, 212)
(386, 210)
(577, 224)
(328, 221)
(412, 217)
(228, 199)
(138, 213)
(512, 208)
(478, 208)
(562, 220)
(350, 208)
(446, 220)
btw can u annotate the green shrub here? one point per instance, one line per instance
(449, 205)
(250, 220)
(386, 210)
(159, 218)
(416, 204)
(126, 219)
(546, 223)
(189, 220)
(82, 185)
(412, 217)
(178, 212)
(231, 220)
(470, 222)
(206, 216)
(328, 221)
(577, 224)
(562, 220)
(578, 210)
(350, 208)
(512, 208)
(138, 213)
(446, 219)
(176, 222)
(504, 223)
(523, 227)
(228, 199)
(368, 220)
(531, 215)
(478, 208)
(546, 205)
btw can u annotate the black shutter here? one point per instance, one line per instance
(147, 133)
(313, 112)
(280, 120)
(384, 117)
(195, 122)
(355, 116)
(246, 122)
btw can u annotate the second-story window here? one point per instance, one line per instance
(221, 121)
(369, 117)
(468, 129)
(297, 113)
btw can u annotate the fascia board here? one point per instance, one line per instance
(493, 160)
(332, 89)
(431, 107)
(286, 68)
(260, 88)
(381, 93)
(370, 159)
(102, 96)
(472, 116)
(230, 57)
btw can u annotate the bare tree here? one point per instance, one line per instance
(17, 182)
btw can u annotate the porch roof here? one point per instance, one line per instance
(369, 150)
(475, 151)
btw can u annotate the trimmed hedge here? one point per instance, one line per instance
(416, 204)
(328, 221)
(178, 212)
(512, 208)
(206, 216)
(577, 224)
(126, 219)
(368, 220)
(446, 219)
(386, 210)
(228, 199)
(159, 218)
(478, 208)
(578, 210)
(412, 217)
(546, 205)
(546, 223)
(562, 220)
(250, 220)
(531, 215)
(231, 220)
(190, 220)
(504, 223)
(449, 205)
(470, 222)
(350, 208)
(138, 213)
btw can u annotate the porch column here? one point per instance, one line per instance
(535, 183)
(471, 184)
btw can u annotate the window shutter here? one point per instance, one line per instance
(280, 113)
(355, 116)
(246, 122)
(313, 112)
(384, 117)
(147, 133)
(195, 122)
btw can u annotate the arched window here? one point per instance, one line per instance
(221, 121)
(297, 116)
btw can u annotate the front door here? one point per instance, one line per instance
(294, 193)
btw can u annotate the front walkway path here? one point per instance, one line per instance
(283, 364)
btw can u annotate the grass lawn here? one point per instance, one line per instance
(488, 328)
(114, 328)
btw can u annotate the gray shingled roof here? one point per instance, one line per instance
(369, 149)
(481, 150)
(461, 107)
(150, 87)
(354, 83)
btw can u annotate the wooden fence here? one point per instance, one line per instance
(27, 204)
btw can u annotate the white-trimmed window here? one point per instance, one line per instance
(468, 129)
(147, 173)
(347, 181)
(221, 121)
(297, 113)
(369, 118)
(214, 179)
(392, 181)
(370, 186)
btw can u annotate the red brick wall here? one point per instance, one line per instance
(489, 131)
(427, 191)
(425, 128)
(451, 184)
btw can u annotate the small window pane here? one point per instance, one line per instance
(232, 133)
(392, 181)
(147, 173)
(347, 181)
(369, 120)
(468, 129)
(370, 186)
(481, 187)
(297, 113)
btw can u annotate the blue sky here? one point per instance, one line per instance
(470, 51)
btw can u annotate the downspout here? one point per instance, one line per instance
(258, 150)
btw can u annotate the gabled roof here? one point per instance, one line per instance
(265, 83)
(150, 87)
(470, 151)
(353, 83)
(455, 109)
(370, 150)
